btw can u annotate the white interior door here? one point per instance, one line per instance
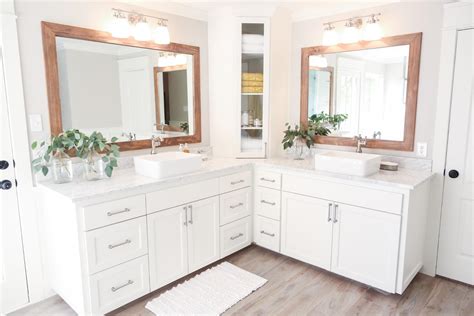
(14, 291)
(456, 250)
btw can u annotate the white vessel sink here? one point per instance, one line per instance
(347, 163)
(167, 164)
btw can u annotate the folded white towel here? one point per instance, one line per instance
(252, 48)
(252, 39)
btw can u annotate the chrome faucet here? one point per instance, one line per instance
(162, 127)
(155, 143)
(360, 142)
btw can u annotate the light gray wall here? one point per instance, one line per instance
(396, 19)
(94, 15)
(90, 90)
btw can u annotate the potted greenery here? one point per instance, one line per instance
(55, 155)
(99, 156)
(298, 136)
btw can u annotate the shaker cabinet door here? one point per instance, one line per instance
(306, 229)
(168, 246)
(365, 246)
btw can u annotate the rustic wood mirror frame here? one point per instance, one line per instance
(414, 42)
(52, 30)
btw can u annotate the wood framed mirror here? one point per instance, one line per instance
(96, 82)
(374, 84)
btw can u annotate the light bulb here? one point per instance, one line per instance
(161, 35)
(330, 36)
(181, 59)
(120, 27)
(350, 34)
(318, 61)
(142, 31)
(372, 30)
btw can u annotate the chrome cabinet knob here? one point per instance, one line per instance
(4, 164)
(5, 185)
(453, 174)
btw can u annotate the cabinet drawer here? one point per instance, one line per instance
(350, 194)
(168, 198)
(108, 213)
(235, 236)
(235, 181)
(268, 179)
(114, 244)
(267, 202)
(267, 233)
(235, 205)
(119, 285)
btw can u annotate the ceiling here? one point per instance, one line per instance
(300, 9)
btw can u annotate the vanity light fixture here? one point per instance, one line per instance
(318, 61)
(128, 23)
(352, 30)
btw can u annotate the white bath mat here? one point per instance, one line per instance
(212, 292)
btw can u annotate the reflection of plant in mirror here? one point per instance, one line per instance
(323, 119)
(91, 146)
(184, 126)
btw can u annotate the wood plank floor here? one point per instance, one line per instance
(296, 288)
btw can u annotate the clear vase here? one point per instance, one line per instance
(299, 152)
(62, 168)
(94, 167)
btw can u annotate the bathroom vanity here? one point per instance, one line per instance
(113, 241)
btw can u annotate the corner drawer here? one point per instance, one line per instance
(235, 205)
(168, 198)
(115, 244)
(235, 236)
(268, 179)
(267, 202)
(235, 181)
(267, 233)
(119, 285)
(349, 194)
(108, 213)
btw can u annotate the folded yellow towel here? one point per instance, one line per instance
(252, 76)
(252, 89)
(249, 83)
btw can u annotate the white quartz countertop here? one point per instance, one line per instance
(127, 182)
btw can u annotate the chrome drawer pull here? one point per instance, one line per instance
(268, 180)
(186, 215)
(127, 241)
(236, 236)
(190, 214)
(268, 234)
(266, 202)
(237, 182)
(118, 212)
(329, 211)
(335, 213)
(237, 205)
(116, 288)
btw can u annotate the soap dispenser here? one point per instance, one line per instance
(186, 148)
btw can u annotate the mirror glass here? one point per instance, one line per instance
(362, 92)
(127, 92)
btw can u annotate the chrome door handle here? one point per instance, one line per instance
(268, 234)
(237, 205)
(266, 202)
(268, 180)
(185, 215)
(116, 288)
(127, 241)
(335, 213)
(190, 214)
(329, 211)
(118, 212)
(237, 182)
(236, 236)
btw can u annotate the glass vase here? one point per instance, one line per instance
(94, 167)
(62, 168)
(299, 152)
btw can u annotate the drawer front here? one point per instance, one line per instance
(235, 181)
(235, 205)
(359, 196)
(119, 285)
(114, 244)
(108, 213)
(168, 198)
(268, 179)
(267, 233)
(235, 236)
(267, 202)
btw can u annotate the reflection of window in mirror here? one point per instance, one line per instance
(320, 90)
